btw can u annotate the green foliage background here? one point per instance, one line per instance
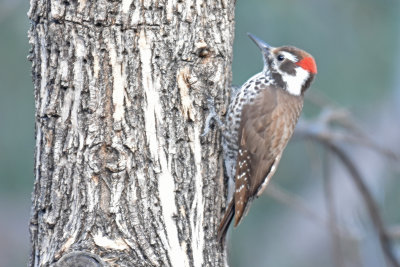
(356, 46)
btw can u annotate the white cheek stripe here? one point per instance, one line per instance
(289, 56)
(295, 82)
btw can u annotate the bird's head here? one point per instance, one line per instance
(290, 68)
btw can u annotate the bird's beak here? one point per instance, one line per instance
(260, 43)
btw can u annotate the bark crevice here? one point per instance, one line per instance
(121, 93)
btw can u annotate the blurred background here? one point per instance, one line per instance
(356, 45)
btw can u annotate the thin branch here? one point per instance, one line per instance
(297, 203)
(394, 231)
(337, 252)
(319, 99)
(349, 131)
(366, 195)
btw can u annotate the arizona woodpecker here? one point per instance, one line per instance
(260, 121)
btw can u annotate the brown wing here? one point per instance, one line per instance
(264, 132)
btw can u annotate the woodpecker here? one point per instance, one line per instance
(260, 121)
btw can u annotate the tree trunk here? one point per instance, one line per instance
(123, 176)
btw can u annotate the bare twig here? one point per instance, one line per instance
(319, 99)
(298, 204)
(349, 131)
(366, 195)
(337, 253)
(337, 125)
(394, 232)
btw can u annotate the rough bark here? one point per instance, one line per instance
(123, 177)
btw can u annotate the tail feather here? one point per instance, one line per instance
(226, 221)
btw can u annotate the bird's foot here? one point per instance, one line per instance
(211, 116)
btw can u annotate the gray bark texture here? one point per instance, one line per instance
(123, 175)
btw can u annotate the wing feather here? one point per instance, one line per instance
(264, 132)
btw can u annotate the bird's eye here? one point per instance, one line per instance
(280, 57)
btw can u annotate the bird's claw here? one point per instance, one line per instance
(211, 116)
